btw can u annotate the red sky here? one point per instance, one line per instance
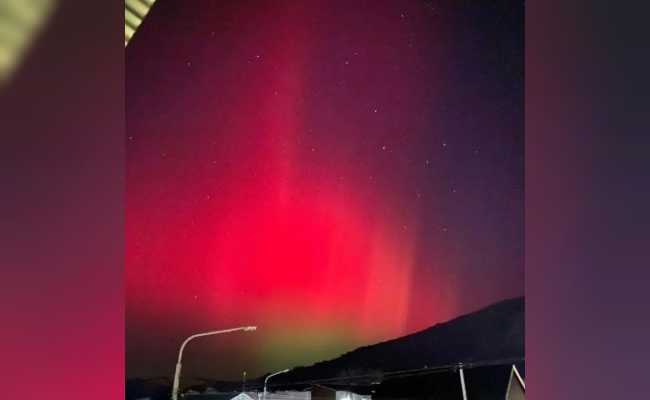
(335, 173)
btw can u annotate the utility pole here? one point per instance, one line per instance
(462, 382)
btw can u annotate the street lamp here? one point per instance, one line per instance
(267, 378)
(177, 374)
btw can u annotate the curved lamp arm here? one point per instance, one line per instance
(177, 374)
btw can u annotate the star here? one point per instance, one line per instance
(383, 147)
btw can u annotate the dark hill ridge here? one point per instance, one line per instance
(492, 333)
(495, 332)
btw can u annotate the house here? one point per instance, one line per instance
(516, 386)
(211, 393)
(287, 395)
(246, 396)
(331, 392)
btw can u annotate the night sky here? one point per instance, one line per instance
(337, 173)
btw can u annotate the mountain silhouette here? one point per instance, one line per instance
(490, 334)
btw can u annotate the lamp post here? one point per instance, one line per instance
(243, 386)
(177, 374)
(267, 378)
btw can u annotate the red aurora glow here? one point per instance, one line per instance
(310, 168)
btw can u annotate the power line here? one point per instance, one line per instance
(402, 373)
(384, 375)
